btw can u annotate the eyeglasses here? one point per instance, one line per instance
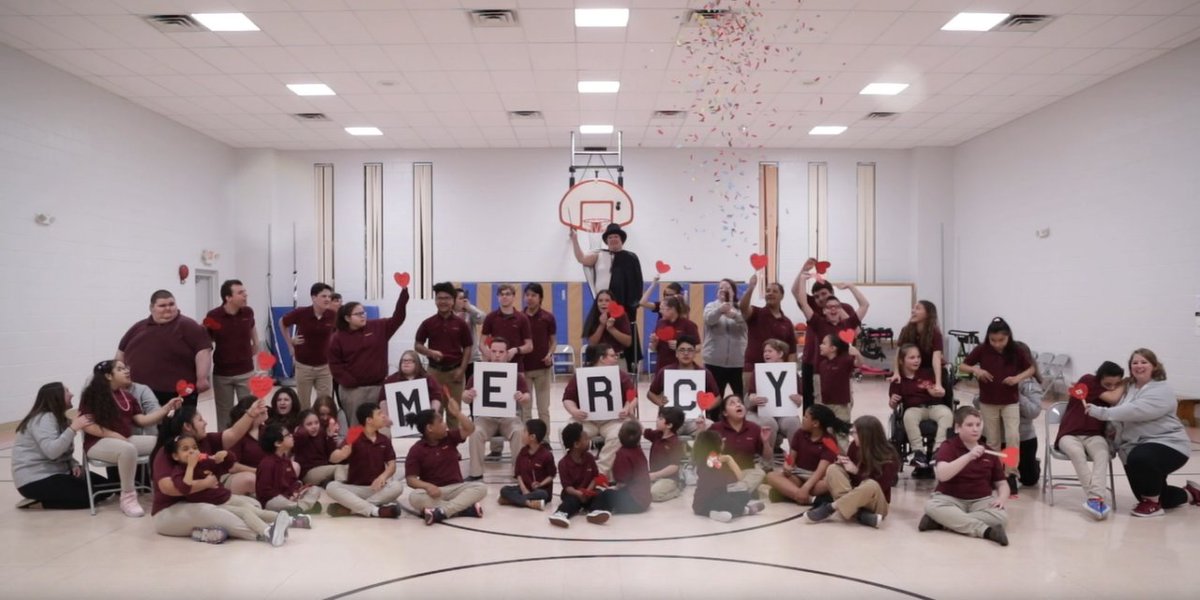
(684, 350)
(358, 314)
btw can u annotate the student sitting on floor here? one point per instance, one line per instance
(813, 449)
(861, 481)
(577, 473)
(718, 495)
(276, 484)
(433, 471)
(313, 444)
(369, 490)
(534, 470)
(630, 489)
(967, 474)
(666, 454)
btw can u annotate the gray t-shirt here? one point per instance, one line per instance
(42, 450)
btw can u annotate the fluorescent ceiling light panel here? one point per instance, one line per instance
(827, 130)
(311, 89)
(225, 21)
(968, 21)
(363, 131)
(585, 129)
(599, 87)
(884, 89)
(601, 17)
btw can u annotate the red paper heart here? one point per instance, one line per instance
(758, 261)
(1012, 457)
(1079, 391)
(831, 445)
(615, 310)
(822, 267)
(184, 387)
(706, 400)
(211, 323)
(260, 385)
(203, 456)
(662, 267)
(665, 334)
(790, 461)
(402, 279)
(601, 480)
(265, 360)
(353, 435)
(630, 395)
(847, 335)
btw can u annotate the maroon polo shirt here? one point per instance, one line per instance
(630, 469)
(161, 354)
(203, 468)
(809, 452)
(664, 451)
(317, 332)
(515, 328)
(368, 459)
(213, 443)
(682, 327)
(249, 451)
(448, 335)
(761, 326)
(234, 354)
(312, 451)
(571, 392)
(742, 445)
(543, 327)
(535, 467)
(621, 324)
(1075, 420)
(835, 378)
(162, 467)
(914, 391)
(275, 477)
(359, 358)
(935, 346)
(1000, 366)
(578, 475)
(436, 463)
(658, 384)
(127, 407)
(975, 480)
(885, 476)
(819, 327)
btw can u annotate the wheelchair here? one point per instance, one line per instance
(899, 437)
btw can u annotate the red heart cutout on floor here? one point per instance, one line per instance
(184, 387)
(353, 435)
(615, 310)
(847, 335)
(706, 400)
(662, 267)
(665, 334)
(211, 323)
(1079, 391)
(402, 279)
(758, 261)
(265, 360)
(260, 385)
(831, 445)
(1012, 457)
(822, 267)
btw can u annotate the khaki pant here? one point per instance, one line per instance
(251, 513)
(539, 380)
(968, 517)
(665, 489)
(446, 379)
(912, 423)
(325, 473)
(227, 390)
(305, 502)
(609, 429)
(1001, 423)
(485, 429)
(361, 499)
(455, 498)
(123, 453)
(353, 397)
(1080, 450)
(848, 499)
(752, 478)
(310, 378)
(240, 516)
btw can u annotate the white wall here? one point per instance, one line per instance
(1112, 172)
(134, 196)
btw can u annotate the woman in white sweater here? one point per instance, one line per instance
(1149, 437)
(43, 464)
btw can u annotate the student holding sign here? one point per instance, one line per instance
(776, 407)
(600, 397)
(501, 394)
(680, 385)
(432, 470)
(764, 323)
(420, 391)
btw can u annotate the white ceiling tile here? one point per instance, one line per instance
(966, 60)
(232, 60)
(653, 25)
(412, 57)
(1112, 31)
(251, 104)
(1162, 33)
(444, 26)
(25, 32)
(599, 56)
(92, 61)
(552, 57)
(513, 81)
(261, 84)
(520, 100)
(345, 83)
(199, 39)
(144, 63)
(1063, 29)
(133, 31)
(1104, 61)
(471, 82)
(1058, 59)
(139, 86)
(364, 58)
(877, 59)
(1011, 60)
(288, 28)
(272, 59)
(458, 57)
(390, 27)
(1014, 84)
(337, 27)
(498, 35)
(863, 27)
(543, 26)
(320, 58)
(424, 82)
(185, 61)
(505, 57)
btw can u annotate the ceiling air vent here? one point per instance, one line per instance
(880, 116)
(311, 117)
(693, 18)
(1024, 23)
(525, 115)
(493, 18)
(174, 23)
(669, 114)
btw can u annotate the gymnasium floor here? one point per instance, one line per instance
(665, 553)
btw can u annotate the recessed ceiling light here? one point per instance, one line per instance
(225, 21)
(884, 89)
(311, 89)
(601, 17)
(968, 21)
(595, 129)
(827, 130)
(599, 87)
(363, 131)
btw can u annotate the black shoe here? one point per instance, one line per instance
(926, 473)
(1012, 485)
(822, 500)
(494, 454)
(868, 518)
(928, 524)
(919, 460)
(434, 515)
(996, 534)
(475, 510)
(474, 478)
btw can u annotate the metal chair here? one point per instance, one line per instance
(141, 478)
(563, 362)
(1054, 416)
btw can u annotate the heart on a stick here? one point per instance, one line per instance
(615, 310)
(822, 267)
(265, 360)
(1012, 457)
(402, 279)
(630, 395)
(665, 334)
(831, 445)
(184, 388)
(211, 324)
(706, 400)
(758, 261)
(662, 267)
(846, 335)
(353, 434)
(1079, 391)
(260, 385)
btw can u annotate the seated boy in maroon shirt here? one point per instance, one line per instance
(276, 484)
(534, 470)
(630, 490)
(369, 490)
(966, 475)
(577, 472)
(666, 454)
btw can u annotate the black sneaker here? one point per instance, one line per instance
(434, 515)
(474, 478)
(389, 511)
(475, 510)
(928, 524)
(494, 455)
(996, 534)
(818, 514)
(868, 518)
(822, 500)
(919, 460)
(1013, 490)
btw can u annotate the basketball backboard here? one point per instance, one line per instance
(592, 204)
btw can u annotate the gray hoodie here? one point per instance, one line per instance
(1031, 406)
(1145, 415)
(42, 450)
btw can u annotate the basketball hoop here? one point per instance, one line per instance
(595, 225)
(592, 204)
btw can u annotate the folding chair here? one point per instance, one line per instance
(1054, 416)
(141, 478)
(563, 361)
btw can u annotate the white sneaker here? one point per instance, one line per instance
(130, 506)
(722, 516)
(598, 517)
(559, 519)
(277, 532)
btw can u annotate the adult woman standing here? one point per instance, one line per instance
(43, 464)
(1150, 439)
(725, 340)
(922, 331)
(358, 352)
(599, 327)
